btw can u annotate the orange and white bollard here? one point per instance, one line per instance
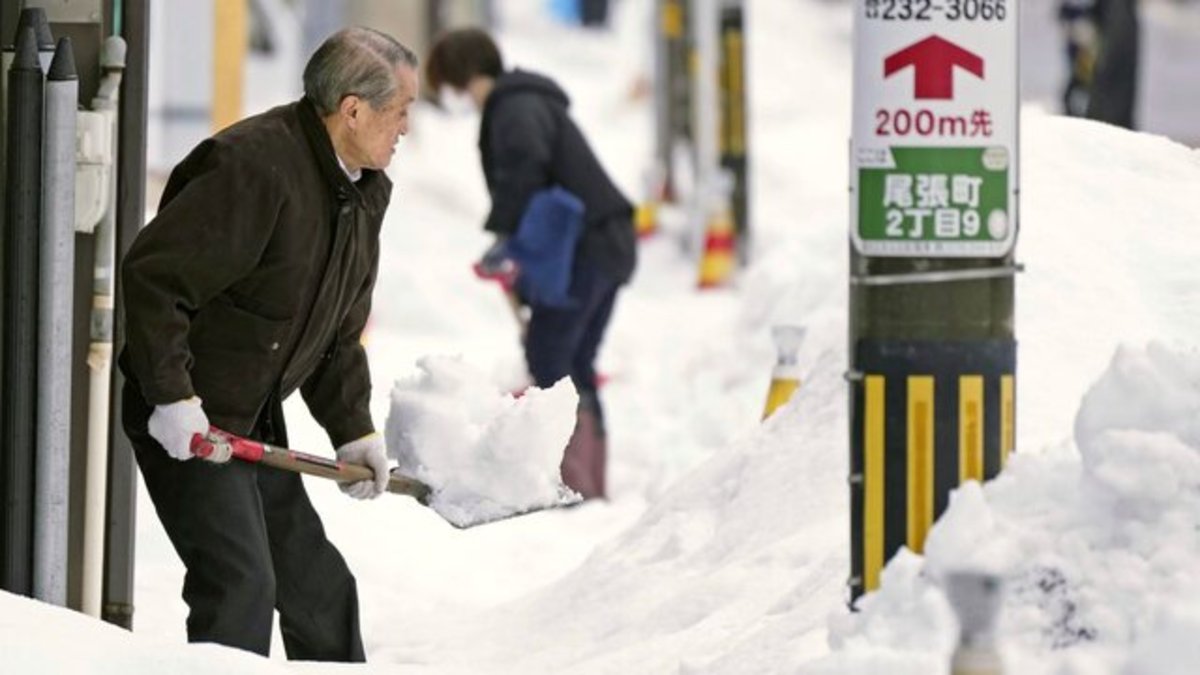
(785, 377)
(719, 255)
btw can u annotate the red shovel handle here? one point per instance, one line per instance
(241, 448)
(505, 276)
(301, 462)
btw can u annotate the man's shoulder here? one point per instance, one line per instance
(276, 130)
(265, 145)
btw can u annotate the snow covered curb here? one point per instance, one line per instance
(39, 638)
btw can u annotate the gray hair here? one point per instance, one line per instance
(359, 61)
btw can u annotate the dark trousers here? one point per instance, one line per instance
(564, 342)
(593, 12)
(252, 544)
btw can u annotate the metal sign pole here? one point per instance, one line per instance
(933, 173)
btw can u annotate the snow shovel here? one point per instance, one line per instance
(257, 452)
(507, 280)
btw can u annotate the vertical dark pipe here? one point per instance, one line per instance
(131, 199)
(34, 18)
(21, 233)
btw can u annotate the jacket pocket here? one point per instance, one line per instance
(237, 355)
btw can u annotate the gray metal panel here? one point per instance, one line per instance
(8, 21)
(69, 11)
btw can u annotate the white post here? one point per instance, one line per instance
(100, 351)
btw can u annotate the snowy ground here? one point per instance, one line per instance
(724, 546)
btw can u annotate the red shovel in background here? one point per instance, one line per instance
(257, 452)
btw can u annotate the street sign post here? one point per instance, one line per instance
(934, 183)
(934, 153)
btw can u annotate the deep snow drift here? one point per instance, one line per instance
(1099, 551)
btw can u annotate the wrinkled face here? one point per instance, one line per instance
(374, 132)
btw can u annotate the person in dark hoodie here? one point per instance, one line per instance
(253, 281)
(529, 143)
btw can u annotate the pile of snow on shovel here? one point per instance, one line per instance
(485, 454)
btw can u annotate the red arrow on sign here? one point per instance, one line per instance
(933, 60)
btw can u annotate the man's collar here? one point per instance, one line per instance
(318, 136)
(354, 176)
(373, 187)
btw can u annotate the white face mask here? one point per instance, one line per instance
(456, 102)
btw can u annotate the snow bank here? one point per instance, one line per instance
(485, 454)
(1098, 550)
(1108, 238)
(39, 638)
(732, 570)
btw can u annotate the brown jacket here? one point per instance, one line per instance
(255, 277)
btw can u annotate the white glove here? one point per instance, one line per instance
(174, 424)
(367, 451)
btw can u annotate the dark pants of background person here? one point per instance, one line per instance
(562, 342)
(251, 543)
(594, 13)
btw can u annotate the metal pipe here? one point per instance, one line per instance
(19, 382)
(34, 18)
(30, 17)
(666, 24)
(131, 185)
(705, 105)
(112, 61)
(54, 355)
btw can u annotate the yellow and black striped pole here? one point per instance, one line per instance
(733, 119)
(672, 92)
(928, 417)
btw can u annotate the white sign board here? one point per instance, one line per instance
(934, 153)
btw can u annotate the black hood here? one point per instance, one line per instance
(522, 81)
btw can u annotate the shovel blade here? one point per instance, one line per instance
(465, 519)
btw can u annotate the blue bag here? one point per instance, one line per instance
(566, 11)
(544, 247)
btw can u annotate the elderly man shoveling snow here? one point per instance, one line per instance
(254, 281)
